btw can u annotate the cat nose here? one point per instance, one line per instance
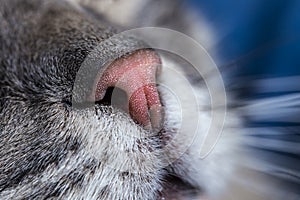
(136, 75)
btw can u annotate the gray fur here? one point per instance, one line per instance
(44, 142)
(48, 148)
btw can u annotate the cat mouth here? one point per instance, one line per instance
(130, 84)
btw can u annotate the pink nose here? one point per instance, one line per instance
(136, 75)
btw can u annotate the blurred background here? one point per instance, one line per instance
(257, 39)
(258, 50)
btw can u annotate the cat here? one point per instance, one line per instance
(60, 141)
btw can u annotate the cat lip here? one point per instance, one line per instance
(135, 74)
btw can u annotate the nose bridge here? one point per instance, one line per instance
(79, 47)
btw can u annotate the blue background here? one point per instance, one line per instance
(261, 37)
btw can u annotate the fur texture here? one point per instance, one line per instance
(51, 149)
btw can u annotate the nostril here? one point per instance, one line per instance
(115, 97)
(106, 99)
(135, 74)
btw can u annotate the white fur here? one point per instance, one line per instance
(213, 172)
